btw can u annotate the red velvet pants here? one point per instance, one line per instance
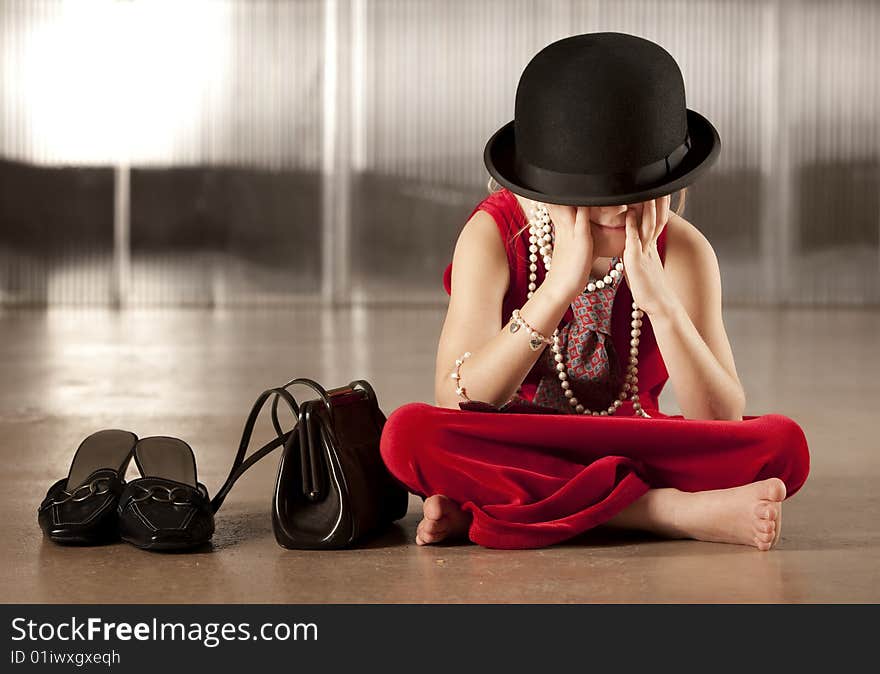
(532, 480)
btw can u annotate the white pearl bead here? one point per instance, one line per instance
(541, 235)
(458, 361)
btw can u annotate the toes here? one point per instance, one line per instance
(766, 526)
(773, 489)
(767, 511)
(764, 537)
(763, 545)
(423, 538)
(433, 508)
(430, 531)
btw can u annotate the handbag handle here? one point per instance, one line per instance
(327, 396)
(240, 464)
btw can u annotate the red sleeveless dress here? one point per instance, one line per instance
(513, 225)
(531, 480)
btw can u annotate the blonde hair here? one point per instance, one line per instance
(493, 186)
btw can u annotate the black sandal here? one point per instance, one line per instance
(167, 508)
(80, 509)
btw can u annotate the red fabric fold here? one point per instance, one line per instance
(532, 480)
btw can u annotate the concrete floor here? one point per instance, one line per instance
(194, 374)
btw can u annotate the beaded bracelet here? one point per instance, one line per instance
(459, 389)
(536, 339)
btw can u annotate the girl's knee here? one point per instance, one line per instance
(404, 433)
(791, 453)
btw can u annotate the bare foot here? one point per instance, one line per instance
(748, 515)
(442, 519)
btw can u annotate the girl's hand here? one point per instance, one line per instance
(642, 266)
(572, 249)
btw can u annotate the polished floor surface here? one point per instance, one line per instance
(194, 374)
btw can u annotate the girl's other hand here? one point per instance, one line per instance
(641, 259)
(572, 249)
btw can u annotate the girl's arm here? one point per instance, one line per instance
(683, 302)
(500, 360)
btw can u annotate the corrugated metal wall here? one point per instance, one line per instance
(277, 148)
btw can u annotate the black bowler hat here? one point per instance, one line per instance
(600, 119)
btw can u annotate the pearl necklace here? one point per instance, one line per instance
(540, 241)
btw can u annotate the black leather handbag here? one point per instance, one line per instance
(332, 488)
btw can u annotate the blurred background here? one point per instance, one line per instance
(250, 152)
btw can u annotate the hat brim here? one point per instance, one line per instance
(500, 153)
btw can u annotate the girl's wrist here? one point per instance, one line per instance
(667, 309)
(556, 292)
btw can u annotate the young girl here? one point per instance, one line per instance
(548, 425)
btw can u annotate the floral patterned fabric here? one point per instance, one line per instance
(591, 364)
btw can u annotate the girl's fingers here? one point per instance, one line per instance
(633, 243)
(582, 220)
(664, 204)
(649, 221)
(562, 216)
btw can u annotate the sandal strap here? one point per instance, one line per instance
(164, 491)
(102, 482)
